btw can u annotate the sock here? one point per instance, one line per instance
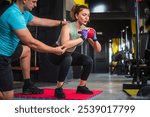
(27, 82)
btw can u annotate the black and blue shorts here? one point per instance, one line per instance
(6, 75)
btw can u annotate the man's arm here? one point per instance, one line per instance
(26, 37)
(36, 21)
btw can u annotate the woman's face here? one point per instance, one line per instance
(83, 16)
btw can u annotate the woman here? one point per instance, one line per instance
(71, 38)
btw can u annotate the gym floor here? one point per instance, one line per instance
(111, 85)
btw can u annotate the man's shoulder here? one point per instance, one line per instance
(12, 9)
(11, 12)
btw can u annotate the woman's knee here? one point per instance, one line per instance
(89, 61)
(67, 60)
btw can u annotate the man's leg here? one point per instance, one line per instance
(6, 95)
(25, 62)
(1, 95)
(28, 87)
(6, 79)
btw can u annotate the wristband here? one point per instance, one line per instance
(95, 37)
(95, 40)
(60, 23)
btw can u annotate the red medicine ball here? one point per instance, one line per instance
(91, 32)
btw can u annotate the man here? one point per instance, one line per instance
(13, 29)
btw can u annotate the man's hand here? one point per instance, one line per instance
(64, 22)
(59, 50)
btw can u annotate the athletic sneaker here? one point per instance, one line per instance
(83, 90)
(59, 93)
(32, 89)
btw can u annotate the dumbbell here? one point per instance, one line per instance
(91, 33)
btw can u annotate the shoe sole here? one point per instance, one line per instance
(32, 92)
(59, 97)
(83, 93)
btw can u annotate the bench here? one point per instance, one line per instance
(17, 71)
(19, 68)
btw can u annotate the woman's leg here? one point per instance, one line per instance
(63, 71)
(87, 63)
(64, 67)
(64, 63)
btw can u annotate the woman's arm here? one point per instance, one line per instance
(65, 36)
(95, 44)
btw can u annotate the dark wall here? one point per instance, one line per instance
(52, 9)
(110, 29)
(122, 15)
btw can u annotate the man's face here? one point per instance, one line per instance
(30, 4)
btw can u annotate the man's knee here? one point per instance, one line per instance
(7, 95)
(1, 95)
(26, 51)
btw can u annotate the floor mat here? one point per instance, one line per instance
(131, 92)
(70, 95)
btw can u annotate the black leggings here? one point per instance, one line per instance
(71, 59)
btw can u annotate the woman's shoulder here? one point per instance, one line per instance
(69, 25)
(72, 23)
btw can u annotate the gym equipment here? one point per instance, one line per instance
(87, 33)
(120, 66)
(141, 69)
(144, 91)
(91, 33)
(137, 17)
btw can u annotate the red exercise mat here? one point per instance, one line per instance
(49, 94)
